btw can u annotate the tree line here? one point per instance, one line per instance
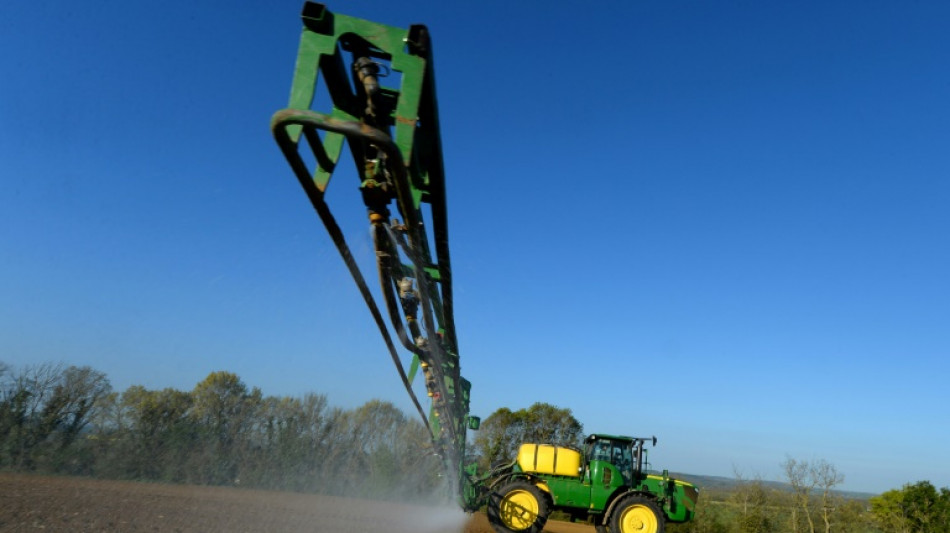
(68, 420)
(803, 505)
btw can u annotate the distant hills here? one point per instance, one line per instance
(727, 483)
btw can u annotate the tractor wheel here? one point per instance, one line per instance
(518, 507)
(637, 514)
(600, 529)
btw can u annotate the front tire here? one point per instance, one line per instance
(637, 514)
(518, 507)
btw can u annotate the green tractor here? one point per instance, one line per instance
(605, 484)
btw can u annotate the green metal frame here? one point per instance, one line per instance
(393, 137)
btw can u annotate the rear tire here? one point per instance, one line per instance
(637, 514)
(518, 507)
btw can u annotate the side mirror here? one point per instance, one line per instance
(474, 423)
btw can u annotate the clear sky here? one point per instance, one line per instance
(722, 223)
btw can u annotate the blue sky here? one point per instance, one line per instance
(722, 223)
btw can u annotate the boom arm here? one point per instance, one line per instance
(393, 136)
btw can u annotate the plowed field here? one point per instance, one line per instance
(40, 503)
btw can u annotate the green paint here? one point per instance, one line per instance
(603, 483)
(393, 136)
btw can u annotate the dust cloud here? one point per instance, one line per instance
(428, 520)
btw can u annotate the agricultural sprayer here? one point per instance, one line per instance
(393, 137)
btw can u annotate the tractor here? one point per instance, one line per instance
(606, 484)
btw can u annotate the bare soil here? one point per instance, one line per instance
(41, 503)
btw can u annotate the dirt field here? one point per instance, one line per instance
(39, 503)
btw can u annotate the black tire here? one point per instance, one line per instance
(600, 529)
(637, 514)
(518, 507)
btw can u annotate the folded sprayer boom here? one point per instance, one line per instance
(393, 136)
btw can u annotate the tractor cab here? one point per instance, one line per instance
(626, 454)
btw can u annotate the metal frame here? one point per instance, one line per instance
(393, 137)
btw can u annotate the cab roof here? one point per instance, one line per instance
(624, 438)
(597, 436)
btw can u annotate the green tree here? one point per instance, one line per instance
(43, 410)
(222, 404)
(505, 430)
(917, 507)
(225, 411)
(852, 517)
(25, 429)
(158, 431)
(496, 437)
(544, 422)
(710, 517)
(74, 401)
(376, 427)
(755, 506)
(291, 441)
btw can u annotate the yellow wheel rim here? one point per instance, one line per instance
(518, 510)
(639, 518)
